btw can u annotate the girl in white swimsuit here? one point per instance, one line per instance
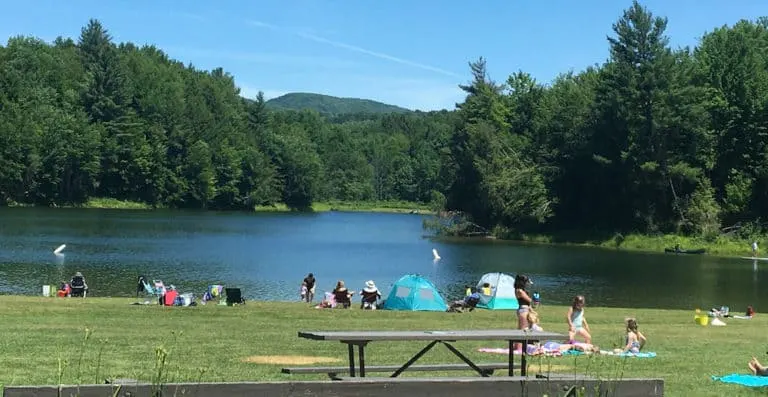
(577, 324)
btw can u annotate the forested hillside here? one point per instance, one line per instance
(330, 105)
(655, 139)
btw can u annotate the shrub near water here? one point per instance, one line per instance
(214, 343)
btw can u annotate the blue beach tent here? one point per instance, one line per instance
(416, 293)
(502, 295)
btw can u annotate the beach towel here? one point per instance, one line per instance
(744, 380)
(532, 351)
(496, 350)
(629, 354)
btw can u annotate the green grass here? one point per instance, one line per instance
(210, 343)
(721, 246)
(395, 207)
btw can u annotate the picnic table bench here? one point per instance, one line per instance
(362, 338)
(333, 372)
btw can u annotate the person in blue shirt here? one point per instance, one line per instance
(469, 302)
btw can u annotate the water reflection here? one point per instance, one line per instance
(267, 255)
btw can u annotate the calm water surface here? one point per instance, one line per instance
(267, 255)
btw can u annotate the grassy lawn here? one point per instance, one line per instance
(219, 343)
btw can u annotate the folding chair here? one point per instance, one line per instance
(234, 296)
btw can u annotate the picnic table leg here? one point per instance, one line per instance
(523, 364)
(351, 348)
(511, 358)
(361, 359)
(465, 359)
(413, 360)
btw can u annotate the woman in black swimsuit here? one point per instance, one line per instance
(523, 302)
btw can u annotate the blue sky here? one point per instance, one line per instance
(408, 53)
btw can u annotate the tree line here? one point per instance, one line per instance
(655, 139)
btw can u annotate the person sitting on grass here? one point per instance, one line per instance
(757, 368)
(329, 302)
(469, 302)
(533, 321)
(635, 340)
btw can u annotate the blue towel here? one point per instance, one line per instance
(744, 380)
(641, 354)
(610, 353)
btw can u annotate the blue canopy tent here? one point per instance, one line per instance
(502, 296)
(415, 293)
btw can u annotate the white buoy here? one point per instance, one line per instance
(435, 255)
(61, 248)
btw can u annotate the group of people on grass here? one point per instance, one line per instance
(76, 287)
(340, 296)
(528, 319)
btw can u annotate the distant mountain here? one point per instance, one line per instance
(327, 104)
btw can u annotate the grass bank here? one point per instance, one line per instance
(45, 342)
(721, 246)
(110, 203)
(394, 207)
(98, 202)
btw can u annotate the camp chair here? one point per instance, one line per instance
(471, 303)
(157, 290)
(77, 287)
(234, 296)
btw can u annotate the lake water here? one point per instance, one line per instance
(267, 255)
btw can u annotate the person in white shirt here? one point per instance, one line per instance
(754, 249)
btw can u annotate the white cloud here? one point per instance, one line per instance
(309, 36)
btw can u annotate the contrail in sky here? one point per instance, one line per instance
(353, 48)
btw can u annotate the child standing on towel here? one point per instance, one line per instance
(577, 324)
(635, 339)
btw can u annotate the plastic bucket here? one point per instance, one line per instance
(701, 319)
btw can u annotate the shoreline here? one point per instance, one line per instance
(383, 207)
(394, 207)
(722, 246)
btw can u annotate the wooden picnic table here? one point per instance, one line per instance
(362, 338)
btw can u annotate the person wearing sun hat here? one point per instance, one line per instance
(370, 296)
